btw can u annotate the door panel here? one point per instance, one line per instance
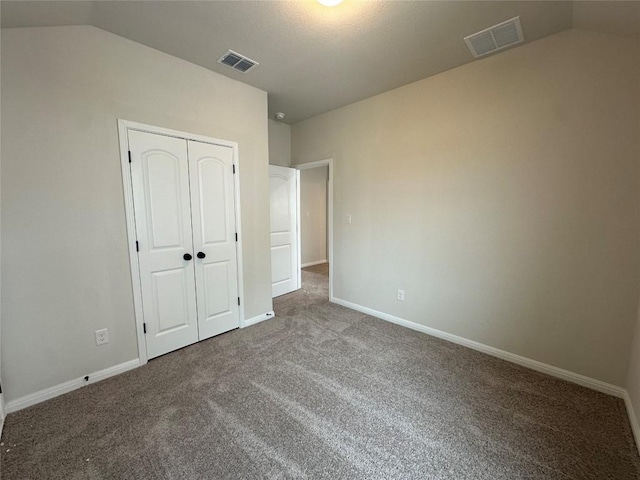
(216, 284)
(280, 206)
(214, 235)
(214, 221)
(283, 198)
(171, 299)
(280, 264)
(160, 182)
(163, 188)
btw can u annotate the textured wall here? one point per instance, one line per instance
(502, 196)
(279, 144)
(64, 257)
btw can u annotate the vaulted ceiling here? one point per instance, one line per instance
(314, 58)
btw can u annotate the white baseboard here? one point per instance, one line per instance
(633, 419)
(572, 377)
(311, 264)
(260, 318)
(48, 393)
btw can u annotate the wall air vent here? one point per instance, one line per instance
(237, 62)
(495, 38)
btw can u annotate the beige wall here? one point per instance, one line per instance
(279, 144)
(64, 247)
(313, 214)
(1, 382)
(502, 196)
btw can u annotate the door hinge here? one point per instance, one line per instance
(234, 168)
(137, 246)
(129, 156)
(238, 300)
(236, 237)
(144, 327)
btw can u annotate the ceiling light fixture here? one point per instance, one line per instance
(330, 3)
(280, 116)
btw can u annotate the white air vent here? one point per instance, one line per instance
(495, 38)
(237, 62)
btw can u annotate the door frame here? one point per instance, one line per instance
(323, 163)
(123, 127)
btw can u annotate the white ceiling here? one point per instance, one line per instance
(313, 58)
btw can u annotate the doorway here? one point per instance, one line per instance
(313, 216)
(311, 246)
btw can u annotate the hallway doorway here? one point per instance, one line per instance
(324, 263)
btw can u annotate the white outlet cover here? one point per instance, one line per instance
(102, 336)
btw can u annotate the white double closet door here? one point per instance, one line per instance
(183, 193)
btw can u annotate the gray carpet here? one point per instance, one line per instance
(321, 391)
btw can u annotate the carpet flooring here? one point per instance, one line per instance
(321, 391)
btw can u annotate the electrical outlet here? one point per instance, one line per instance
(347, 218)
(401, 295)
(102, 336)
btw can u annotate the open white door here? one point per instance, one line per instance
(285, 258)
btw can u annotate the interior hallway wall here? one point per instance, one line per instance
(502, 197)
(279, 144)
(313, 215)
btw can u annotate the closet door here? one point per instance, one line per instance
(160, 180)
(214, 236)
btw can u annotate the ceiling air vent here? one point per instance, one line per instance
(237, 62)
(495, 38)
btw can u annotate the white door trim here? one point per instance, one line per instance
(298, 234)
(2, 414)
(123, 127)
(324, 163)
